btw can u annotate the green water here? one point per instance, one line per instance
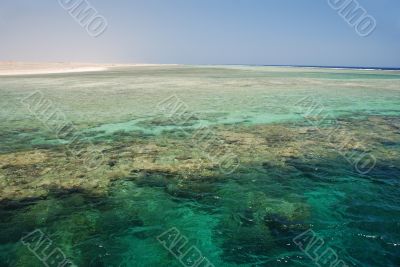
(156, 173)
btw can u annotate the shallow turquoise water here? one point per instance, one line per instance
(247, 218)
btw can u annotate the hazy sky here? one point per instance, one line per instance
(303, 32)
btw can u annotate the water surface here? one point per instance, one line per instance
(299, 134)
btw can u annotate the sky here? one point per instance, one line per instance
(256, 32)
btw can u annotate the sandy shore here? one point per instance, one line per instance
(25, 68)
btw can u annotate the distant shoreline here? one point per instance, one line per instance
(11, 68)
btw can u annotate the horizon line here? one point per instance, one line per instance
(213, 64)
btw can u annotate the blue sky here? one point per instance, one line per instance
(293, 32)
